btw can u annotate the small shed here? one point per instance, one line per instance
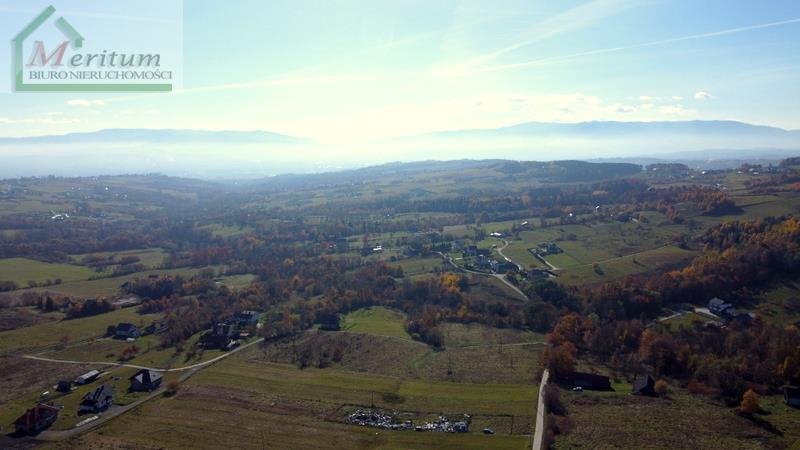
(88, 377)
(64, 386)
(644, 385)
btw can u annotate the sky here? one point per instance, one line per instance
(349, 72)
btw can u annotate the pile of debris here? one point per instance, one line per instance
(381, 419)
(444, 425)
(378, 419)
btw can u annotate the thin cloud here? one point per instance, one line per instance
(556, 59)
(82, 103)
(702, 95)
(570, 20)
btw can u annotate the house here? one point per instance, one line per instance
(246, 318)
(330, 323)
(496, 234)
(791, 396)
(157, 327)
(549, 248)
(482, 261)
(743, 319)
(221, 337)
(64, 386)
(97, 400)
(534, 274)
(36, 419)
(127, 331)
(88, 377)
(589, 381)
(503, 266)
(644, 385)
(145, 380)
(718, 306)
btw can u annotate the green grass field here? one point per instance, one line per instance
(620, 267)
(152, 258)
(418, 265)
(376, 320)
(779, 304)
(51, 333)
(224, 231)
(237, 281)
(279, 406)
(23, 270)
(686, 320)
(681, 421)
(109, 286)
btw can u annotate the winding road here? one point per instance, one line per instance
(496, 275)
(155, 369)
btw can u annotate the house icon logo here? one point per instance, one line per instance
(62, 68)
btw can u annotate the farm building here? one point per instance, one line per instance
(330, 322)
(157, 327)
(589, 381)
(127, 331)
(97, 400)
(503, 266)
(88, 377)
(64, 386)
(644, 385)
(246, 318)
(549, 248)
(719, 307)
(36, 419)
(221, 337)
(145, 380)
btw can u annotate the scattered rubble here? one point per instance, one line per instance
(390, 421)
(378, 419)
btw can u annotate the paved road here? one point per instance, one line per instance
(115, 411)
(496, 275)
(500, 251)
(538, 435)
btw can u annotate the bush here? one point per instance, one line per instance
(552, 400)
(661, 387)
(172, 388)
(750, 404)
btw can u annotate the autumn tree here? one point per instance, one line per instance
(661, 387)
(749, 403)
(172, 388)
(559, 360)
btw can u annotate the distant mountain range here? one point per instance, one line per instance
(622, 129)
(253, 154)
(589, 140)
(161, 136)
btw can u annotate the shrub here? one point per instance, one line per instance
(172, 388)
(750, 403)
(661, 387)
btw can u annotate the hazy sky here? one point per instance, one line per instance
(347, 71)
